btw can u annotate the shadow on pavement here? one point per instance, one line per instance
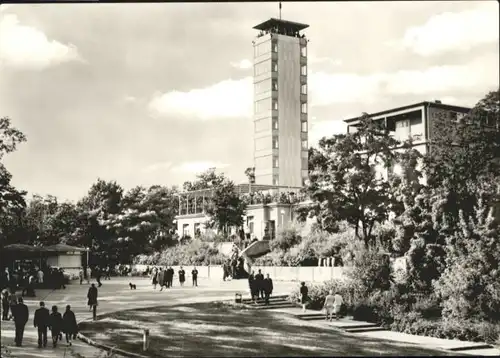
(214, 329)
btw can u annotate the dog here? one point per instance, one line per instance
(132, 286)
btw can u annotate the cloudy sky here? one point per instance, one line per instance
(153, 93)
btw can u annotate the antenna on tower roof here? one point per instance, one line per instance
(280, 10)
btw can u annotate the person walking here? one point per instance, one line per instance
(194, 276)
(89, 274)
(40, 276)
(98, 275)
(154, 277)
(251, 285)
(56, 325)
(5, 304)
(70, 327)
(80, 275)
(328, 305)
(337, 305)
(92, 300)
(304, 292)
(182, 276)
(161, 278)
(41, 322)
(108, 273)
(21, 315)
(170, 276)
(267, 285)
(258, 284)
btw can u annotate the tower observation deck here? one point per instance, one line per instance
(280, 103)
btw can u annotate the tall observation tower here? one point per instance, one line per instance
(280, 103)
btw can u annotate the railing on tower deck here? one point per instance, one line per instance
(196, 202)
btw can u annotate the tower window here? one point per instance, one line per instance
(303, 70)
(275, 123)
(303, 107)
(303, 89)
(275, 47)
(275, 162)
(304, 143)
(275, 67)
(275, 85)
(275, 142)
(303, 127)
(276, 180)
(275, 105)
(303, 51)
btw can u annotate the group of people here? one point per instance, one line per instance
(165, 277)
(332, 305)
(43, 320)
(260, 287)
(28, 278)
(97, 272)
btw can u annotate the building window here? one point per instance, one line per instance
(303, 107)
(304, 162)
(303, 126)
(263, 105)
(275, 47)
(263, 86)
(275, 85)
(303, 51)
(275, 143)
(275, 123)
(262, 67)
(276, 180)
(275, 105)
(185, 230)
(304, 154)
(303, 70)
(262, 125)
(305, 173)
(275, 67)
(303, 89)
(304, 144)
(275, 162)
(262, 48)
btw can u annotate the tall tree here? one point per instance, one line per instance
(346, 181)
(12, 202)
(463, 152)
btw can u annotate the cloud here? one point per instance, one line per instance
(157, 167)
(243, 64)
(454, 31)
(25, 47)
(198, 167)
(226, 99)
(130, 99)
(324, 60)
(234, 98)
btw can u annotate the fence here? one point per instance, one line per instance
(277, 273)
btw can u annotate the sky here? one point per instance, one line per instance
(150, 94)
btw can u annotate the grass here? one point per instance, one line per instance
(216, 329)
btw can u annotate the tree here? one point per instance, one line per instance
(345, 181)
(225, 207)
(250, 173)
(12, 202)
(463, 152)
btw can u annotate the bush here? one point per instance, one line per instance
(371, 269)
(195, 252)
(286, 238)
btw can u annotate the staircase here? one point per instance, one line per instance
(345, 325)
(275, 302)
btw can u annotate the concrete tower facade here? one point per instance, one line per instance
(280, 104)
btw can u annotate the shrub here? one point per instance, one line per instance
(371, 269)
(286, 238)
(427, 306)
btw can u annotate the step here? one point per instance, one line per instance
(368, 329)
(281, 297)
(356, 326)
(262, 303)
(285, 305)
(310, 315)
(466, 348)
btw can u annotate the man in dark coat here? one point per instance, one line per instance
(259, 278)
(182, 276)
(92, 300)
(161, 278)
(70, 327)
(225, 270)
(5, 304)
(41, 321)
(251, 285)
(170, 277)
(194, 275)
(98, 275)
(21, 315)
(56, 326)
(267, 285)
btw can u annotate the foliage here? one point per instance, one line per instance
(286, 238)
(470, 284)
(196, 252)
(345, 181)
(250, 174)
(12, 202)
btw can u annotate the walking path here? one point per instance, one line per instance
(114, 295)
